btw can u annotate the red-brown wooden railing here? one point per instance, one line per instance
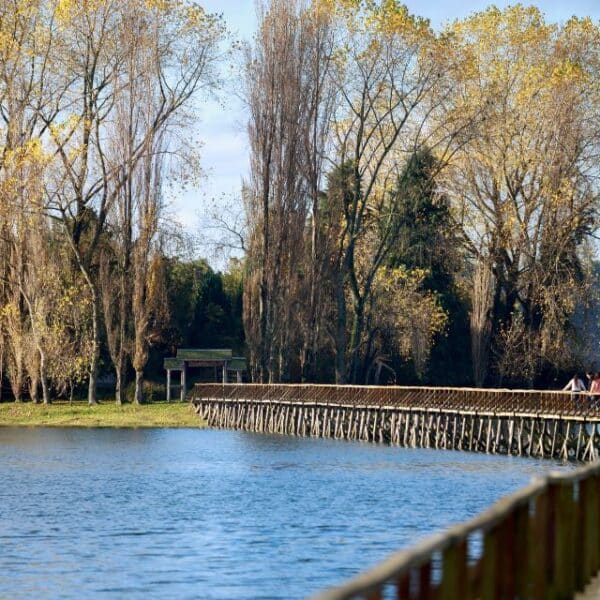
(542, 542)
(498, 401)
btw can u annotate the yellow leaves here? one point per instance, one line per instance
(337, 7)
(195, 16)
(8, 45)
(515, 25)
(404, 288)
(567, 72)
(10, 310)
(407, 313)
(393, 18)
(500, 46)
(67, 10)
(16, 24)
(29, 154)
(577, 27)
(159, 5)
(62, 130)
(22, 172)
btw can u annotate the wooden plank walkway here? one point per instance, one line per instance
(519, 423)
(549, 404)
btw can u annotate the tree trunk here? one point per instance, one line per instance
(263, 303)
(308, 358)
(16, 383)
(340, 331)
(355, 337)
(139, 387)
(95, 358)
(34, 393)
(44, 379)
(120, 380)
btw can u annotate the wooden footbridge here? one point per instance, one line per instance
(541, 424)
(542, 542)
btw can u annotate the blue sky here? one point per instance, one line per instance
(222, 122)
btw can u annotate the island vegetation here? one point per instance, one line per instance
(421, 205)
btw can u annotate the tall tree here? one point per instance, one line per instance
(390, 81)
(524, 187)
(284, 91)
(150, 56)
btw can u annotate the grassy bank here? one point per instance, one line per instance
(107, 414)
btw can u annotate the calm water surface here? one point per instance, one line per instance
(163, 513)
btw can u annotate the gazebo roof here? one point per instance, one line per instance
(205, 357)
(219, 354)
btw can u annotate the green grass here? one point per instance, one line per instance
(107, 414)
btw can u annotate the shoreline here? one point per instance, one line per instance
(62, 413)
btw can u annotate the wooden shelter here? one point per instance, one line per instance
(220, 359)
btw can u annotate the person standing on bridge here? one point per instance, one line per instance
(575, 385)
(594, 389)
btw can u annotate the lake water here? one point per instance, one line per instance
(165, 513)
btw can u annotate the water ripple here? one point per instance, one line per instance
(220, 515)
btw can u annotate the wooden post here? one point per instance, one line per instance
(564, 566)
(425, 581)
(183, 390)
(238, 376)
(225, 372)
(523, 546)
(168, 385)
(454, 572)
(592, 511)
(585, 516)
(489, 566)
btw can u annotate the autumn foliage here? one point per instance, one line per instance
(503, 109)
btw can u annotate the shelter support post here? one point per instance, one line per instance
(183, 385)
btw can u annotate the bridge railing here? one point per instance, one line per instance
(541, 542)
(456, 399)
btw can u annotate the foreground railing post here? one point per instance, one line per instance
(489, 565)
(505, 586)
(592, 525)
(581, 536)
(403, 586)
(522, 547)
(425, 582)
(589, 517)
(537, 567)
(454, 572)
(564, 564)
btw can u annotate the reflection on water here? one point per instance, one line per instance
(160, 513)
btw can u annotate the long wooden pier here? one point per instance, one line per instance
(541, 424)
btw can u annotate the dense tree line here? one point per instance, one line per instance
(94, 97)
(421, 205)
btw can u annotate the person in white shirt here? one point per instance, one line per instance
(575, 385)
